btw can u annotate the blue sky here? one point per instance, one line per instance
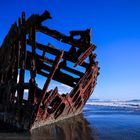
(116, 32)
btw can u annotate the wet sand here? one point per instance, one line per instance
(96, 123)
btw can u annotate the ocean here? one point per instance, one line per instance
(100, 120)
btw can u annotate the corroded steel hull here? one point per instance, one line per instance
(21, 53)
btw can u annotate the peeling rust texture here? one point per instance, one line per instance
(75, 67)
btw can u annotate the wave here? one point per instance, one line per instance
(128, 104)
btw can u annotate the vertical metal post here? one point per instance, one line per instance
(33, 66)
(22, 57)
(53, 70)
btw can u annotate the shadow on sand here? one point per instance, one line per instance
(75, 128)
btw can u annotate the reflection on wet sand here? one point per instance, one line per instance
(75, 128)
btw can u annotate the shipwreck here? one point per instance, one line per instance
(44, 105)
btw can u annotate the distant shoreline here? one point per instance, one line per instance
(128, 104)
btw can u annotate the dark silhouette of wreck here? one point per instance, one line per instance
(44, 106)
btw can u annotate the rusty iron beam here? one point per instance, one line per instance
(59, 36)
(85, 55)
(41, 64)
(52, 72)
(32, 89)
(51, 49)
(22, 59)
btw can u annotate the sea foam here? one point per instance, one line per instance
(115, 103)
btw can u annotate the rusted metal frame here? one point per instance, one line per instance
(85, 55)
(59, 76)
(42, 66)
(88, 95)
(50, 76)
(35, 20)
(76, 72)
(49, 48)
(94, 77)
(73, 103)
(73, 71)
(17, 59)
(80, 82)
(14, 70)
(54, 51)
(46, 60)
(7, 43)
(83, 43)
(48, 101)
(59, 36)
(14, 66)
(38, 58)
(10, 72)
(22, 58)
(50, 61)
(23, 85)
(92, 58)
(32, 81)
(67, 81)
(85, 37)
(15, 51)
(57, 106)
(54, 68)
(91, 83)
(52, 94)
(67, 98)
(86, 80)
(33, 55)
(87, 86)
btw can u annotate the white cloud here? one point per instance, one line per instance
(62, 88)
